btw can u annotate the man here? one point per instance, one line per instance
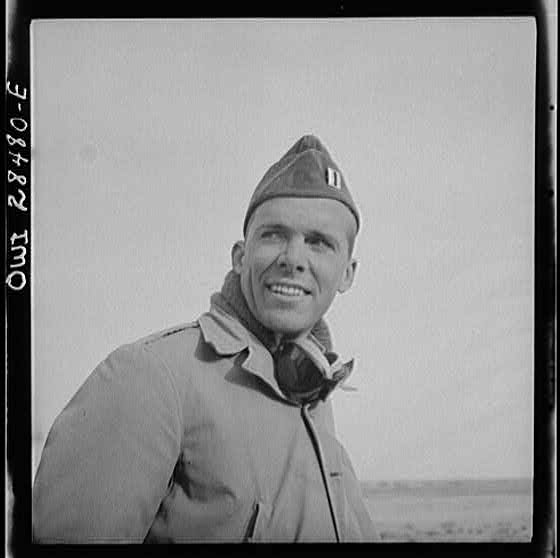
(222, 429)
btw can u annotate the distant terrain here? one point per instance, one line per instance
(451, 511)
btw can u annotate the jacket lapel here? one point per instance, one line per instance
(228, 337)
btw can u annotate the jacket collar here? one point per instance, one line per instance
(228, 337)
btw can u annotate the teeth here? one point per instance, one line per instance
(288, 291)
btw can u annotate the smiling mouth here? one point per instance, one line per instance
(287, 290)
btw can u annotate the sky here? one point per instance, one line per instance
(149, 138)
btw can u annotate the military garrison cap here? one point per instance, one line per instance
(305, 171)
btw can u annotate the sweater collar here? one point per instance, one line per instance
(232, 301)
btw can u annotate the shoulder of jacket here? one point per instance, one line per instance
(176, 333)
(173, 349)
(169, 340)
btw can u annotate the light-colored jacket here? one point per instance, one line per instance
(184, 436)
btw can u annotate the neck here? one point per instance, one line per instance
(280, 338)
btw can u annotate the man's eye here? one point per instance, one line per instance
(271, 235)
(317, 242)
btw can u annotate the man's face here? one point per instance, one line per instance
(294, 260)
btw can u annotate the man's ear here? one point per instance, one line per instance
(348, 276)
(237, 253)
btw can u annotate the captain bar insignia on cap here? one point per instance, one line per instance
(333, 178)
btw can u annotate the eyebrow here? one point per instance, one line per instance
(273, 226)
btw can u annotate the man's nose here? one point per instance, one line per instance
(293, 257)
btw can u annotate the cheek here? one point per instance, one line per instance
(261, 259)
(329, 275)
(254, 267)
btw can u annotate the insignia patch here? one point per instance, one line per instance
(333, 178)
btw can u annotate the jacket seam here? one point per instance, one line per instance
(154, 337)
(169, 376)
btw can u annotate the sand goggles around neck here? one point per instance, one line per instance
(305, 374)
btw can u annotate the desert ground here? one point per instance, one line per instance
(442, 511)
(451, 511)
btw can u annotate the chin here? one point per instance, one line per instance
(286, 325)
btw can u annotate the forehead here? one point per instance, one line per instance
(303, 214)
